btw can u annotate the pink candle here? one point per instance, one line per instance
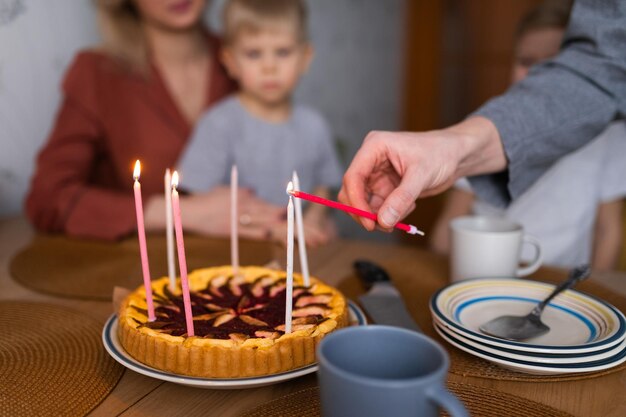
(234, 234)
(409, 228)
(289, 290)
(182, 261)
(141, 233)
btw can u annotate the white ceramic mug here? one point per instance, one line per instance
(484, 247)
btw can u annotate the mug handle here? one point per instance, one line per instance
(448, 401)
(536, 263)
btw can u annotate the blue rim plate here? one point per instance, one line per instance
(539, 358)
(530, 367)
(115, 349)
(580, 322)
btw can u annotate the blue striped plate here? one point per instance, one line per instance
(579, 323)
(532, 366)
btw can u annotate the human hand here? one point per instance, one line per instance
(257, 218)
(319, 228)
(318, 231)
(392, 169)
(209, 214)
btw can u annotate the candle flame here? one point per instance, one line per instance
(175, 179)
(289, 190)
(137, 170)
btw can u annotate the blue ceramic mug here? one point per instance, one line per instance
(384, 371)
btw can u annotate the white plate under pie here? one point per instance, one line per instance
(114, 347)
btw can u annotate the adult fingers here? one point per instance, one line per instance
(315, 237)
(267, 216)
(254, 232)
(370, 174)
(353, 194)
(401, 201)
(259, 212)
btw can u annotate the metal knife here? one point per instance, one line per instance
(383, 301)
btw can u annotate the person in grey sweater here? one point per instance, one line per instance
(513, 139)
(585, 188)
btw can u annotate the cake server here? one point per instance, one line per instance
(530, 325)
(383, 301)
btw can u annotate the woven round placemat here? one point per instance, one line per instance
(73, 268)
(479, 401)
(52, 362)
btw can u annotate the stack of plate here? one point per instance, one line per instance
(586, 334)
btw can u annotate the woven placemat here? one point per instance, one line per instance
(72, 268)
(52, 362)
(479, 401)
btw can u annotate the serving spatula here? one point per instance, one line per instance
(529, 326)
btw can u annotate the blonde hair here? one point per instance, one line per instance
(120, 25)
(257, 15)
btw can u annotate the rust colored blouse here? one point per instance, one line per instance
(109, 118)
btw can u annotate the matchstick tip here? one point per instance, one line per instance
(415, 231)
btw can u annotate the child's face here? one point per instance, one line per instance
(269, 63)
(533, 47)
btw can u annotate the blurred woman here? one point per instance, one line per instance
(137, 96)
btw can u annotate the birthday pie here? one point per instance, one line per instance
(239, 323)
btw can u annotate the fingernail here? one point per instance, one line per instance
(389, 217)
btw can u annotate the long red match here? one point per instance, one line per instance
(409, 228)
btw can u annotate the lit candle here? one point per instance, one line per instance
(143, 250)
(169, 229)
(289, 289)
(304, 262)
(234, 219)
(182, 261)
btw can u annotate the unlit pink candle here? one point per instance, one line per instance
(234, 233)
(289, 289)
(182, 261)
(143, 251)
(304, 262)
(169, 229)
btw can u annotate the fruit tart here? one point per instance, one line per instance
(239, 323)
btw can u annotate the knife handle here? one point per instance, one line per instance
(370, 273)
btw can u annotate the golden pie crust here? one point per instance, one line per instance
(317, 311)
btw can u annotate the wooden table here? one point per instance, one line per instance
(138, 395)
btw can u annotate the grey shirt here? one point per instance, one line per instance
(563, 103)
(266, 154)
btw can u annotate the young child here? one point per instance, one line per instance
(575, 209)
(260, 129)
